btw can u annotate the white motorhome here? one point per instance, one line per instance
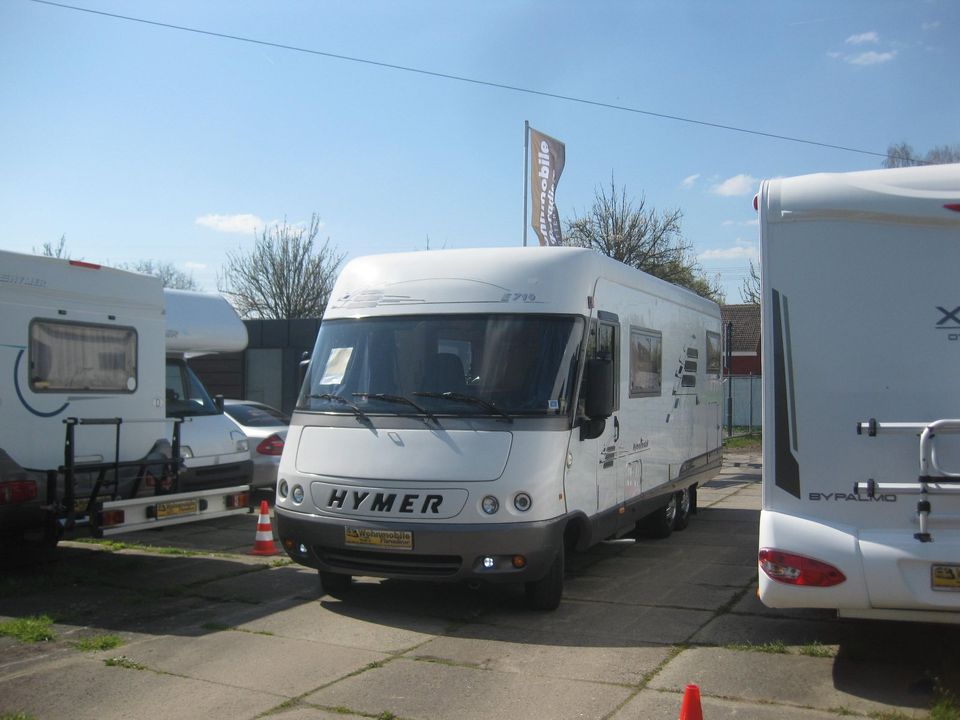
(861, 336)
(474, 414)
(84, 437)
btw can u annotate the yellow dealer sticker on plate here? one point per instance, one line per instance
(396, 539)
(945, 577)
(173, 509)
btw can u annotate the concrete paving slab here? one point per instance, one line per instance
(304, 711)
(659, 705)
(435, 691)
(84, 688)
(338, 623)
(820, 683)
(278, 665)
(733, 628)
(266, 585)
(536, 654)
(605, 624)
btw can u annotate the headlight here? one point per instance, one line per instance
(522, 501)
(241, 440)
(283, 488)
(297, 494)
(185, 451)
(490, 505)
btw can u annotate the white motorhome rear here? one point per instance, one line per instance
(861, 335)
(469, 414)
(84, 438)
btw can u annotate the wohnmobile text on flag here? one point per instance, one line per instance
(546, 164)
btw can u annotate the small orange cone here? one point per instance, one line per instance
(263, 544)
(690, 709)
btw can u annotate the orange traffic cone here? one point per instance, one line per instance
(263, 544)
(690, 709)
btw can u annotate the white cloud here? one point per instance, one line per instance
(736, 185)
(243, 223)
(867, 37)
(728, 223)
(190, 265)
(741, 250)
(690, 180)
(871, 58)
(931, 25)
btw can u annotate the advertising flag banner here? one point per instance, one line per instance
(546, 164)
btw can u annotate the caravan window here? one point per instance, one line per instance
(645, 362)
(713, 353)
(80, 357)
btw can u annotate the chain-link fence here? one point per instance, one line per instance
(741, 399)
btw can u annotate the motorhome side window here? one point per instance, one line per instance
(82, 357)
(646, 362)
(714, 353)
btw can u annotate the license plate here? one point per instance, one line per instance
(945, 577)
(395, 539)
(180, 507)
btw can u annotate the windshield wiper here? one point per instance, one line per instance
(342, 401)
(460, 397)
(386, 397)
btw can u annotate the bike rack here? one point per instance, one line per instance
(932, 478)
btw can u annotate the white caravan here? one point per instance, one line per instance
(861, 339)
(84, 437)
(473, 414)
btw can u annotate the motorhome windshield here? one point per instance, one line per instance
(186, 395)
(464, 365)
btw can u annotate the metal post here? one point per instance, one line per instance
(729, 379)
(526, 161)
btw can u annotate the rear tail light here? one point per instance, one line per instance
(237, 500)
(17, 491)
(111, 518)
(793, 569)
(272, 445)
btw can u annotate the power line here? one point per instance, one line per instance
(461, 78)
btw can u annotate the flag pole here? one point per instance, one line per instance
(526, 162)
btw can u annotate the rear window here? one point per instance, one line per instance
(82, 357)
(256, 415)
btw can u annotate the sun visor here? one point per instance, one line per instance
(199, 323)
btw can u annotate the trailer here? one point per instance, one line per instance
(474, 415)
(861, 336)
(86, 445)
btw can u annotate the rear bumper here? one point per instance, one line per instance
(441, 552)
(206, 477)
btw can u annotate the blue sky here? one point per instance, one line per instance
(142, 142)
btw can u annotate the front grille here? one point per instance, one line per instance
(360, 561)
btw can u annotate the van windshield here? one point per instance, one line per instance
(464, 365)
(186, 395)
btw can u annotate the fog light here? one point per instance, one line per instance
(490, 505)
(303, 549)
(297, 494)
(283, 489)
(522, 502)
(519, 561)
(488, 562)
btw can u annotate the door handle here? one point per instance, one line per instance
(616, 428)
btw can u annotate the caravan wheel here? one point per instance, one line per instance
(685, 500)
(659, 524)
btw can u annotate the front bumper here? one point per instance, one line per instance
(441, 552)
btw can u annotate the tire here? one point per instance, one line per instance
(546, 593)
(659, 523)
(685, 501)
(335, 584)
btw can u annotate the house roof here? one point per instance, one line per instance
(746, 326)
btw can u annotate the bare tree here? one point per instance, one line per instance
(750, 289)
(286, 274)
(168, 274)
(48, 249)
(902, 155)
(640, 237)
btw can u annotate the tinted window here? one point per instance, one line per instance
(256, 415)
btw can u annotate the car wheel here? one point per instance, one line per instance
(546, 593)
(334, 584)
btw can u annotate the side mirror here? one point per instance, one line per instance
(598, 386)
(218, 402)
